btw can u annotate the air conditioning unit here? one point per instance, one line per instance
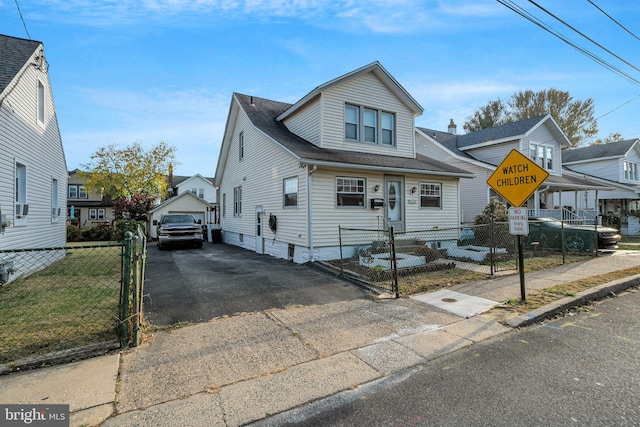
(55, 212)
(22, 210)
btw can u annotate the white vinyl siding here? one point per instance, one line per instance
(262, 184)
(327, 217)
(307, 122)
(367, 91)
(473, 192)
(24, 140)
(199, 186)
(495, 154)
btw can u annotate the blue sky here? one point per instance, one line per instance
(145, 71)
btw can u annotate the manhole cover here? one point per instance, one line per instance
(449, 300)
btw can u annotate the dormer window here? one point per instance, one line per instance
(542, 155)
(630, 171)
(369, 125)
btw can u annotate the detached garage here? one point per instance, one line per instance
(185, 203)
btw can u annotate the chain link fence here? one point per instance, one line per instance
(406, 262)
(56, 299)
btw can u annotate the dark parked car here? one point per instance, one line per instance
(178, 229)
(577, 238)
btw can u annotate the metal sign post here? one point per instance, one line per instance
(516, 179)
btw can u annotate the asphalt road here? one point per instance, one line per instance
(579, 370)
(196, 285)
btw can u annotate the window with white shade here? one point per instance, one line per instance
(290, 192)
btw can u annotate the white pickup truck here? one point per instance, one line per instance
(179, 229)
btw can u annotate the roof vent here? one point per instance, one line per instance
(251, 103)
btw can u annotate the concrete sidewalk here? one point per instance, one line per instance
(235, 370)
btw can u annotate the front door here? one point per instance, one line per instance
(394, 201)
(259, 238)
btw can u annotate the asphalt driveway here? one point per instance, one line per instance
(196, 285)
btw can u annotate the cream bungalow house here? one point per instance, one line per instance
(539, 138)
(290, 174)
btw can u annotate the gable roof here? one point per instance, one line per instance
(263, 113)
(459, 144)
(375, 68)
(15, 53)
(597, 152)
(181, 179)
(179, 197)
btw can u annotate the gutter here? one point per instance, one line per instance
(385, 168)
(309, 209)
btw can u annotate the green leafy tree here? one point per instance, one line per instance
(613, 137)
(123, 172)
(575, 117)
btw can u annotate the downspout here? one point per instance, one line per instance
(309, 210)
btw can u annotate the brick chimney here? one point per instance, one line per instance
(452, 127)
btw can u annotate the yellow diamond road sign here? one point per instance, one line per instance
(517, 178)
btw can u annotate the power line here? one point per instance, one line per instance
(610, 17)
(618, 107)
(22, 18)
(520, 11)
(584, 35)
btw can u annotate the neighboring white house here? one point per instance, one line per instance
(289, 175)
(33, 171)
(196, 184)
(539, 138)
(615, 165)
(184, 203)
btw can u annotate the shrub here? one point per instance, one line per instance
(97, 234)
(495, 210)
(124, 225)
(73, 233)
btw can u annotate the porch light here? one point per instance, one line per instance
(413, 190)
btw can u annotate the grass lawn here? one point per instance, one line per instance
(73, 302)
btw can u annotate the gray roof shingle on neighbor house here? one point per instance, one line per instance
(263, 112)
(612, 149)
(456, 143)
(499, 132)
(14, 52)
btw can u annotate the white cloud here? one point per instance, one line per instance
(380, 16)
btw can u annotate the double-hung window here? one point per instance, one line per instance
(237, 201)
(54, 199)
(241, 146)
(290, 191)
(630, 171)
(430, 195)
(542, 155)
(350, 191)
(77, 192)
(369, 125)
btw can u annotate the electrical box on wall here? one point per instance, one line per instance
(376, 203)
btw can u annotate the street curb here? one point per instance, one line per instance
(567, 303)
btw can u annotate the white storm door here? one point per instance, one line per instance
(394, 201)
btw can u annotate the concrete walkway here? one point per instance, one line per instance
(235, 370)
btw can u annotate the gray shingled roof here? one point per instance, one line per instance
(499, 132)
(263, 112)
(456, 143)
(613, 149)
(14, 52)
